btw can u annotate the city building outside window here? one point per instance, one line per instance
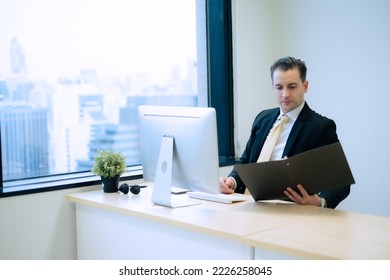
(72, 74)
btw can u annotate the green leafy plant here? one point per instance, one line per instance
(108, 164)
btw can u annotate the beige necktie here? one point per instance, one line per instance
(270, 142)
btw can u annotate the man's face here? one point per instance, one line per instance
(289, 89)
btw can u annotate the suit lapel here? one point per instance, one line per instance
(267, 125)
(296, 129)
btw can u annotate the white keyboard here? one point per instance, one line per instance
(223, 198)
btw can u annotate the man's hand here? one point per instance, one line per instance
(303, 198)
(227, 185)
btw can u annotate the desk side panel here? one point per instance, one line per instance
(103, 234)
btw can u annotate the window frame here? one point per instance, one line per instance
(220, 74)
(220, 96)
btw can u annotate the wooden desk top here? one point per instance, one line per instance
(336, 235)
(306, 231)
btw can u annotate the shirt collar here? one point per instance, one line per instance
(294, 113)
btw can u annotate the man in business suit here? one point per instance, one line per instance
(304, 130)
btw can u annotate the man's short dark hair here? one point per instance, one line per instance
(287, 63)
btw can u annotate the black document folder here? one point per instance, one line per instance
(316, 170)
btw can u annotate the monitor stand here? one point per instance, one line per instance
(163, 180)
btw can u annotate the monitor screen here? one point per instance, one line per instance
(195, 163)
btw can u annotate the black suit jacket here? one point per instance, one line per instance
(310, 131)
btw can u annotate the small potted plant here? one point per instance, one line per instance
(109, 165)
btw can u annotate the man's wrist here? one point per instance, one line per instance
(234, 181)
(322, 202)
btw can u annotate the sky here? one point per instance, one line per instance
(116, 37)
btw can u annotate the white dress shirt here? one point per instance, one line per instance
(282, 140)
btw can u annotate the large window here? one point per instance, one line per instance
(72, 74)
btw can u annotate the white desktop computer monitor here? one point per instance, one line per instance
(191, 132)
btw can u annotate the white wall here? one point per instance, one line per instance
(252, 45)
(38, 226)
(346, 45)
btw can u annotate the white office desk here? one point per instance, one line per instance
(118, 226)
